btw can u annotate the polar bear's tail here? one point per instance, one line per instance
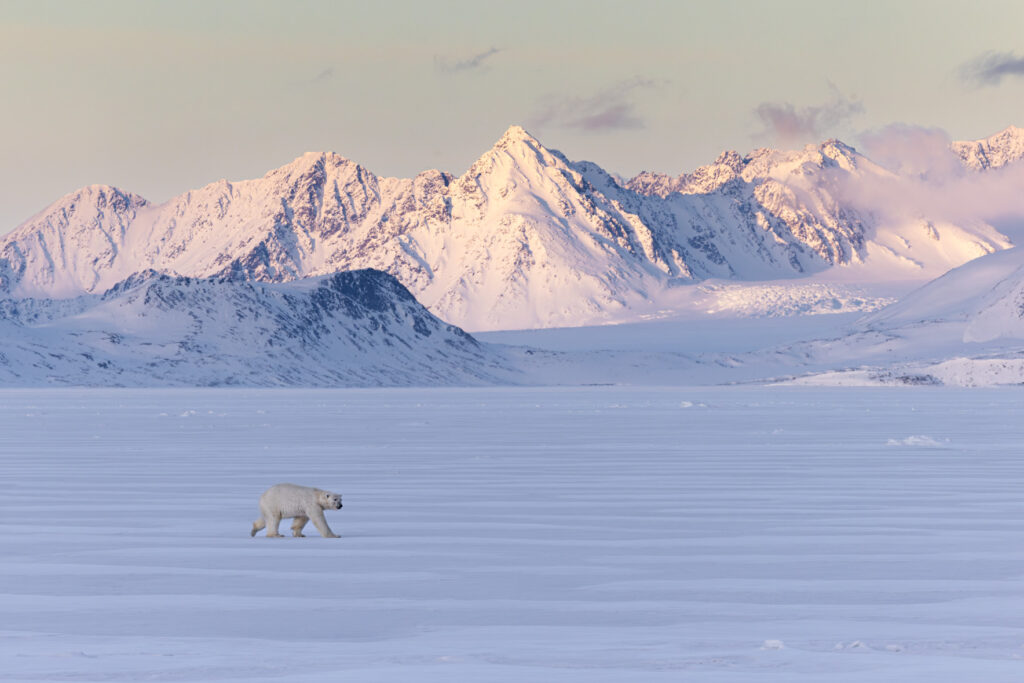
(258, 525)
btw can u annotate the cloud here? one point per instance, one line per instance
(449, 66)
(991, 197)
(610, 109)
(991, 67)
(913, 151)
(786, 124)
(325, 75)
(929, 184)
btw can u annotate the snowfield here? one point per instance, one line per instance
(596, 534)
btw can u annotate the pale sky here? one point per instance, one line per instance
(162, 97)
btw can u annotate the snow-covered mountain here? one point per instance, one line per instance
(359, 328)
(834, 205)
(524, 238)
(1005, 147)
(67, 249)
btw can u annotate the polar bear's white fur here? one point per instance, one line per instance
(303, 503)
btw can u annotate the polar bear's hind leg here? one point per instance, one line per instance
(273, 521)
(297, 525)
(258, 525)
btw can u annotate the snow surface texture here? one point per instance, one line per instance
(524, 238)
(358, 328)
(594, 535)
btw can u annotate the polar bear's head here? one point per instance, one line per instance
(330, 501)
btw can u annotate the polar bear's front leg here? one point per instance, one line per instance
(273, 520)
(320, 522)
(297, 525)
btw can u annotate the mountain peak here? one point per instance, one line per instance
(312, 159)
(516, 135)
(516, 148)
(101, 192)
(89, 200)
(518, 142)
(995, 151)
(837, 144)
(1008, 133)
(732, 159)
(839, 152)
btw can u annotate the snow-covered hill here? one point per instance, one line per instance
(524, 238)
(359, 328)
(985, 297)
(965, 328)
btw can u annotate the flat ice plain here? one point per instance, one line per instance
(590, 534)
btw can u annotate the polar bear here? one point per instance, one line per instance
(301, 502)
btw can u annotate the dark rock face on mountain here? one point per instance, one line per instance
(358, 328)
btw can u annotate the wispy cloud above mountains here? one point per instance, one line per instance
(476, 62)
(613, 108)
(991, 68)
(786, 124)
(914, 151)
